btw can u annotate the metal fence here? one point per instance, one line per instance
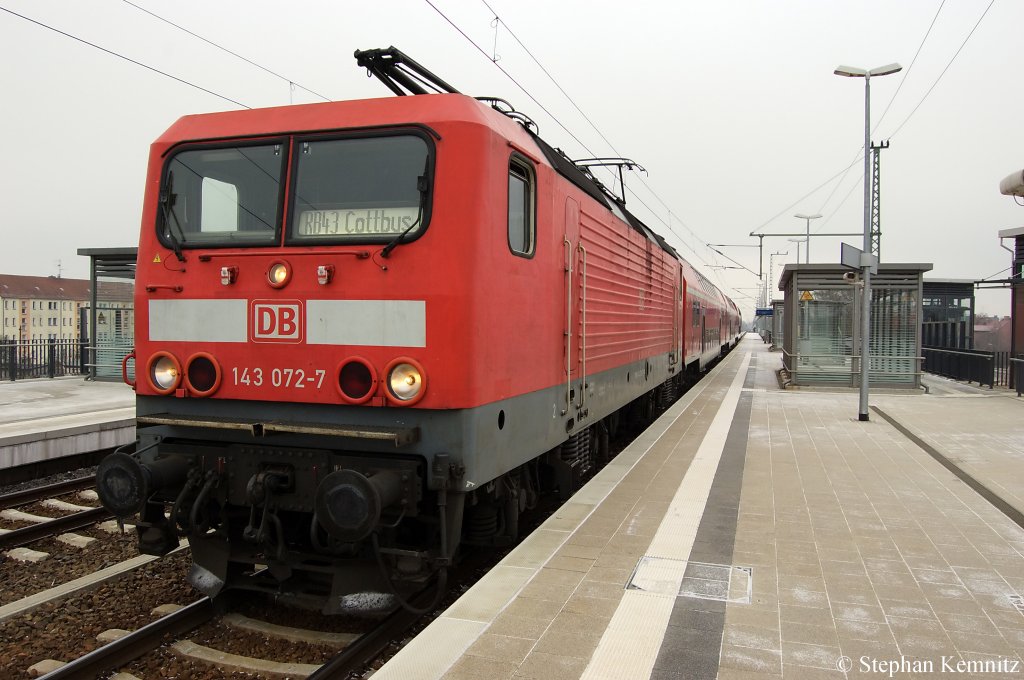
(42, 359)
(975, 365)
(970, 365)
(1017, 366)
(1002, 367)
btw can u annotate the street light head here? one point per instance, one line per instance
(807, 217)
(885, 70)
(850, 71)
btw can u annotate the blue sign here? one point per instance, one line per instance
(764, 311)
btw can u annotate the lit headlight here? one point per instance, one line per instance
(164, 372)
(278, 274)
(406, 382)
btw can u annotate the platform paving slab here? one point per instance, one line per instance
(43, 419)
(863, 550)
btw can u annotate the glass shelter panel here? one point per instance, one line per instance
(894, 328)
(824, 340)
(778, 324)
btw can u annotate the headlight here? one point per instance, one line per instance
(357, 381)
(406, 381)
(279, 274)
(164, 372)
(202, 374)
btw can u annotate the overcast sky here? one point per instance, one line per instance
(730, 105)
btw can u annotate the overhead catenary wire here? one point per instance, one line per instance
(121, 56)
(494, 61)
(509, 76)
(805, 196)
(593, 125)
(550, 77)
(906, 74)
(905, 120)
(937, 80)
(654, 213)
(859, 156)
(891, 100)
(290, 81)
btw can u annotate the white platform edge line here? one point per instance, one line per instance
(632, 640)
(405, 662)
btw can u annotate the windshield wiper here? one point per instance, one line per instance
(423, 186)
(166, 201)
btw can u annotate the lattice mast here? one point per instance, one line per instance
(876, 198)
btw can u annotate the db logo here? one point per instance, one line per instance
(276, 321)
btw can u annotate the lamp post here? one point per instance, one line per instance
(865, 330)
(771, 264)
(808, 218)
(797, 241)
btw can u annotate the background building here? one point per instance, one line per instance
(37, 308)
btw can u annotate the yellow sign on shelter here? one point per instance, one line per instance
(806, 295)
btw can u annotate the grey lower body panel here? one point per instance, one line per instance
(488, 440)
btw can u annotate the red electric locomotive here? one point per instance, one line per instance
(369, 331)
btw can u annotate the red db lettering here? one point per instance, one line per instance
(286, 321)
(266, 321)
(276, 321)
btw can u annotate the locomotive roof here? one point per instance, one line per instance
(429, 109)
(361, 113)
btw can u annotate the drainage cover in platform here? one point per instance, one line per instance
(680, 578)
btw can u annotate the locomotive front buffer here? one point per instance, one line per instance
(243, 505)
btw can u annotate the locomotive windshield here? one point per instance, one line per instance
(353, 189)
(223, 196)
(360, 188)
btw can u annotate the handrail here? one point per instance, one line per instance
(583, 325)
(856, 356)
(959, 364)
(1018, 378)
(979, 354)
(568, 324)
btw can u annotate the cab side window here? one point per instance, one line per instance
(521, 207)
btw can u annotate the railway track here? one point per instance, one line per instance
(357, 650)
(130, 647)
(53, 526)
(42, 492)
(164, 642)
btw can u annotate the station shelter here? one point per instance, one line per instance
(1016, 281)
(822, 325)
(110, 317)
(948, 306)
(778, 325)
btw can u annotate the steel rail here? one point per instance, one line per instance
(57, 525)
(43, 492)
(125, 650)
(372, 644)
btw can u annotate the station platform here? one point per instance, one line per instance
(753, 532)
(46, 419)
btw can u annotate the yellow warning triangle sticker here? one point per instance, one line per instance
(805, 296)
(156, 258)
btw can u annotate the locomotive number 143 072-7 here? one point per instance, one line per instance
(277, 377)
